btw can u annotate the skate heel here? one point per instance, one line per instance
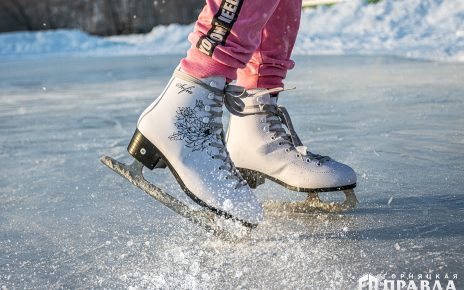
(253, 178)
(145, 152)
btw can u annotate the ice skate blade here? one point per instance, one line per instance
(225, 229)
(313, 204)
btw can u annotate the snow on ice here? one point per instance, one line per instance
(425, 29)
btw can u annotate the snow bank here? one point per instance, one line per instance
(161, 40)
(51, 42)
(430, 29)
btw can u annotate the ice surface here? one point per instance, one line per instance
(66, 221)
(424, 29)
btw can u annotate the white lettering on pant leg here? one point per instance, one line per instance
(205, 46)
(228, 15)
(231, 8)
(219, 34)
(221, 26)
(224, 19)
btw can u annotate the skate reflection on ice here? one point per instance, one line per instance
(313, 203)
(308, 227)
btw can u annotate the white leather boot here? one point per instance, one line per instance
(183, 129)
(263, 145)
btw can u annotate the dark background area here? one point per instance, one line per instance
(101, 17)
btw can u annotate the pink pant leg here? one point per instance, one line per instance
(226, 34)
(270, 62)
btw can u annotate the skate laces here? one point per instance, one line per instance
(276, 117)
(219, 143)
(230, 97)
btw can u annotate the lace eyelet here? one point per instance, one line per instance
(318, 163)
(280, 143)
(287, 150)
(298, 155)
(272, 137)
(212, 157)
(308, 160)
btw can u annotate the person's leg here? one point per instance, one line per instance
(270, 62)
(226, 34)
(262, 141)
(183, 129)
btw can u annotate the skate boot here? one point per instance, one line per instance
(264, 145)
(182, 129)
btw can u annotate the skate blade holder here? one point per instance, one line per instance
(313, 204)
(219, 226)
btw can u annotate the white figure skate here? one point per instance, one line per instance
(262, 148)
(182, 129)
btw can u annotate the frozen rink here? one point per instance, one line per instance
(66, 221)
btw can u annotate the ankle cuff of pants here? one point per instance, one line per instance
(253, 81)
(200, 65)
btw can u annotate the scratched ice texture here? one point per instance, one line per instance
(66, 221)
